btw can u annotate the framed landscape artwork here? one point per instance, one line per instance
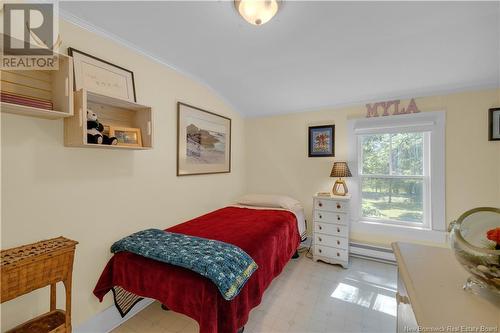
(322, 141)
(494, 124)
(203, 141)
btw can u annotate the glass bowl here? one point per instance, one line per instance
(474, 251)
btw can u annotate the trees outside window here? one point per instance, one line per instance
(393, 176)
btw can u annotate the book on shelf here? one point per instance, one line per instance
(14, 100)
(24, 100)
(34, 105)
(8, 94)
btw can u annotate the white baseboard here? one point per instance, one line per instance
(110, 319)
(371, 252)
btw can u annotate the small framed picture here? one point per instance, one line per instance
(130, 137)
(322, 141)
(102, 77)
(494, 127)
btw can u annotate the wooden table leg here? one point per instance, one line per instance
(53, 297)
(67, 286)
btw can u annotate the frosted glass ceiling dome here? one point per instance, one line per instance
(257, 12)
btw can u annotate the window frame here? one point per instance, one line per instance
(426, 180)
(433, 124)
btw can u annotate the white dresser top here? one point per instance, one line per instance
(434, 280)
(333, 197)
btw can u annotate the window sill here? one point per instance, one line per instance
(386, 223)
(409, 233)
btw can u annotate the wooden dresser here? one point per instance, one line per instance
(430, 294)
(331, 229)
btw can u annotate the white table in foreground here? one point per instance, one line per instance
(430, 294)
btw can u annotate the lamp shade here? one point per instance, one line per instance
(340, 169)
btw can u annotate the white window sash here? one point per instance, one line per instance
(433, 123)
(364, 175)
(396, 128)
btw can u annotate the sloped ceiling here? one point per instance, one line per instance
(312, 54)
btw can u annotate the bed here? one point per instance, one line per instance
(270, 235)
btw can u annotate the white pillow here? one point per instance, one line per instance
(269, 200)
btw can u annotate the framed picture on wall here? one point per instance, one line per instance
(102, 77)
(203, 141)
(322, 141)
(494, 124)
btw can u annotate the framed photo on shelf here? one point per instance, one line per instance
(203, 141)
(102, 77)
(322, 141)
(130, 137)
(494, 124)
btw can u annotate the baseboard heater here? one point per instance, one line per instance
(372, 252)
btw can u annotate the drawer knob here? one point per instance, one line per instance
(319, 238)
(320, 204)
(338, 229)
(320, 216)
(319, 250)
(338, 218)
(338, 254)
(338, 242)
(320, 227)
(338, 206)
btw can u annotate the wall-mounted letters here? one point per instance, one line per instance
(389, 108)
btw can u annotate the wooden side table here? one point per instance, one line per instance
(33, 266)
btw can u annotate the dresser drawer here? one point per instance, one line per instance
(332, 241)
(331, 229)
(329, 217)
(330, 205)
(330, 252)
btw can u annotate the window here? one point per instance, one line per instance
(398, 183)
(393, 177)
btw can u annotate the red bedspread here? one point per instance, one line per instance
(270, 237)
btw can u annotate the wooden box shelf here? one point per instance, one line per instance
(53, 85)
(110, 112)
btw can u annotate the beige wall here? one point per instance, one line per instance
(97, 196)
(276, 153)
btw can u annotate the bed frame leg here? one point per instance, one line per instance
(242, 328)
(295, 255)
(164, 307)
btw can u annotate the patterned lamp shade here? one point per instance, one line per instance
(340, 169)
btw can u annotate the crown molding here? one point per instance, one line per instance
(81, 23)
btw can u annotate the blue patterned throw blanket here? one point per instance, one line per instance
(226, 265)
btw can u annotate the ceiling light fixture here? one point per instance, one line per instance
(257, 12)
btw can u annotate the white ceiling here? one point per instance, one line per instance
(312, 54)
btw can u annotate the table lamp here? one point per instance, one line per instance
(340, 169)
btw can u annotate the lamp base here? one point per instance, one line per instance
(340, 188)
